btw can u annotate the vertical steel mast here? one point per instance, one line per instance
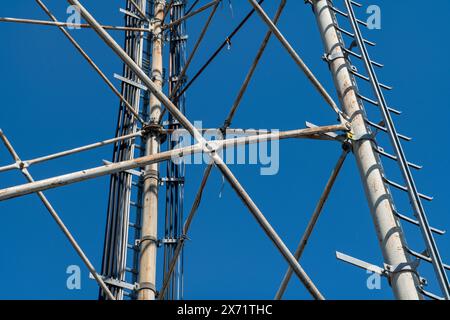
(149, 227)
(389, 232)
(132, 225)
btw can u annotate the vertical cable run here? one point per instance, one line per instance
(175, 172)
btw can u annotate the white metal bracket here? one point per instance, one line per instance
(117, 283)
(387, 271)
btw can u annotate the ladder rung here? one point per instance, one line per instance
(415, 222)
(130, 270)
(357, 4)
(363, 77)
(129, 13)
(424, 257)
(375, 103)
(131, 247)
(379, 127)
(356, 55)
(135, 184)
(129, 294)
(429, 294)
(346, 16)
(351, 35)
(134, 225)
(134, 204)
(130, 82)
(393, 157)
(116, 283)
(403, 188)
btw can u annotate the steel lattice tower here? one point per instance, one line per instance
(124, 211)
(153, 101)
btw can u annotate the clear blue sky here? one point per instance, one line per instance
(52, 100)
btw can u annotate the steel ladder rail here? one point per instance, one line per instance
(419, 210)
(119, 204)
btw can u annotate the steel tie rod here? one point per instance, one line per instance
(88, 174)
(57, 23)
(191, 14)
(190, 59)
(92, 63)
(58, 220)
(230, 36)
(70, 152)
(252, 70)
(312, 223)
(295, 56)
(208, 170)
(139, 10)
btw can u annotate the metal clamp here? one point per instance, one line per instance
(154, 129)
(181, 238)
(179, 38)
(146, 286)
(158, 36)
(150, 174)
(330, 57)
(351, 138)
(157, 77)
(152, 239)
(368, 136)
(404, 267)
(169, 241)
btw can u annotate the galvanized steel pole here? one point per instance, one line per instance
(404, 281)
(149, 224)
